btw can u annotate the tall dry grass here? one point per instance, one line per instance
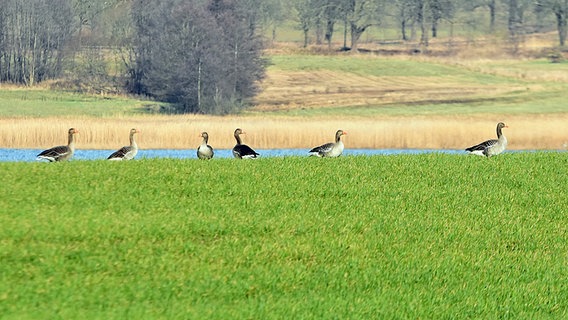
(182, 132)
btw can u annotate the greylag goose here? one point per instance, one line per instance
(126, 152)
(330, 150)
(60, 153)
(242, 151)
(491, 147)
(205, 151)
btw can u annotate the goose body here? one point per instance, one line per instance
(205, 151)
(242, 151)
(60, 153)
(126, 152)
(332, 149)
(491, 147)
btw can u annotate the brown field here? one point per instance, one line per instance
(306, 90)
(181, 132)
(294, 90)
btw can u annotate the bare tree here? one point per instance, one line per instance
(361, 14)
(560, 10)
(491, 5)
(203, 57)
(33, 34)
(439, 10)
(306, 13)
(516, 21)
(403, 12)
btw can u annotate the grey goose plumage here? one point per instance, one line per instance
(332, 149)
(61, 153)
(126, 152)
(491, 147)
(205, 151)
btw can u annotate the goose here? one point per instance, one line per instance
(126, 152)
(60, 153)
(491, 147)
(242, 151)
(204, 151)
(330, 150)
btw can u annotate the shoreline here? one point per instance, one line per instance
(525, 132)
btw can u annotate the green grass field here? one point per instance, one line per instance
(367, 86)
(360, 85)
(421, 236)
(38, 103)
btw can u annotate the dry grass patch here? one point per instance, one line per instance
(182, 132)
(305, 89)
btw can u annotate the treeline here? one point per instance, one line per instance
(206, 55)
(200, 55)
(420, 20)
(33, 35)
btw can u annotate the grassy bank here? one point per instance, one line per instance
(20, 102)
(383, 102)
(428, 236)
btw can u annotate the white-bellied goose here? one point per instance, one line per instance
(60, 153)
(330, 150)
(126, 152)
(205, 151)
(491, 147)
(242, 151)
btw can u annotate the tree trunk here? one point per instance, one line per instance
(422, 20)
(561, 25)
(345, 33)
(273, 33)
(329, 32)
(356, 33)
(199, 84)
(434, 28)
(319, 32)
(512, 20)
(513, 25)
(491, 6)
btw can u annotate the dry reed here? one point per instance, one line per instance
(182, 132)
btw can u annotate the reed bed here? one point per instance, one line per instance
(182, 132)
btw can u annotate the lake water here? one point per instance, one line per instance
(18, 155)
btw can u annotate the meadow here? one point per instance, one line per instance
(406, 236)
(383, 102)
(422, 236)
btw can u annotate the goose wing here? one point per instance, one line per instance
(120, 153)
(55, 152)
(324, 148)
(244, 151)
(482, 146)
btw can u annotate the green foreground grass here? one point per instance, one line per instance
(421, 236)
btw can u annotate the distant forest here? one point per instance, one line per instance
(206, 56)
